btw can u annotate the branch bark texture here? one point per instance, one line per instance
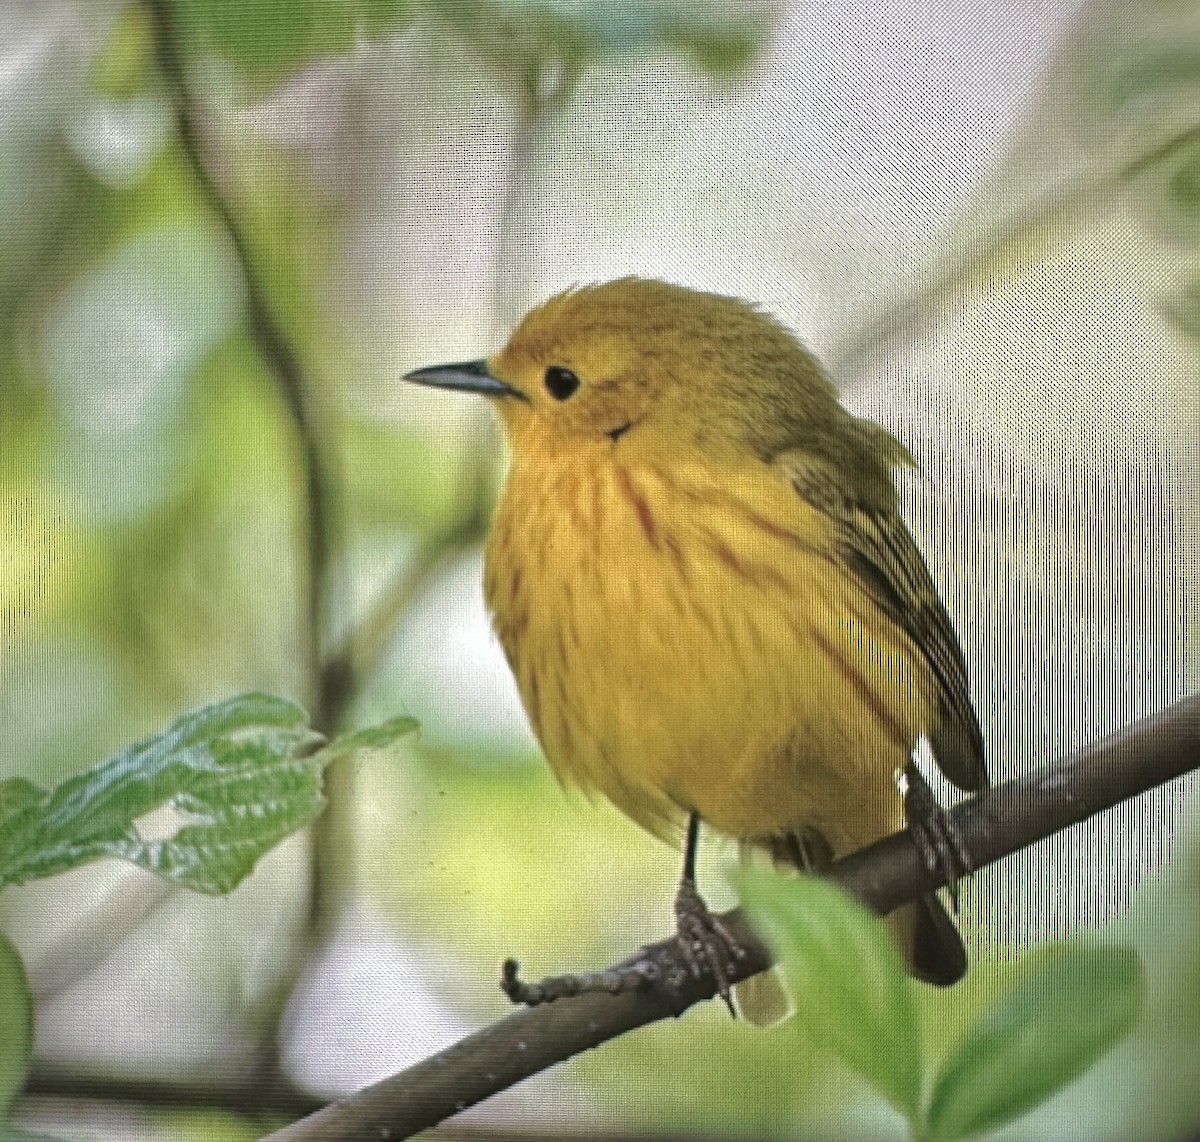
(883, 876)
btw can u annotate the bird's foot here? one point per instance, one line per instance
(706, 944)
(939, 840)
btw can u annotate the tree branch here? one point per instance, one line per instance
(884, 876)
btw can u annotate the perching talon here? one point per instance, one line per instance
(706, 944)
(942, 846)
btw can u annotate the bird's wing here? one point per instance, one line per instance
(875, 547)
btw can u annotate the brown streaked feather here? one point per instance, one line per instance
(878, 550)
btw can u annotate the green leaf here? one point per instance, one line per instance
(1183, 183)
(244, 772)
(1155, 70)
(1059, 1019)
(15, 794)
(1183, 309)
(717, 40)
(16, 1028)
(270, 36)
(710, 35)
(526, 34)
(124, 65)
(380, 14)
(373, 737)
(850, 986)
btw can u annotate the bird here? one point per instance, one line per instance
(712, 607)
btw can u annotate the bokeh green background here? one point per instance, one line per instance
(987, 223)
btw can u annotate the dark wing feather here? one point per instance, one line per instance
(882, 555)
(877, 549)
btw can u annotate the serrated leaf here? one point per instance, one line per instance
(1058, 1020)
(16, 1027)
(850, 986)
(721, 39)
(718, 51)
(244, 771)
(373, 737)
(15, 794)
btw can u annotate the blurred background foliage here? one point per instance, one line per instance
(985, 221)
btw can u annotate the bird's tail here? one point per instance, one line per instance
(927, 937)
(764, 999)
(930, 941)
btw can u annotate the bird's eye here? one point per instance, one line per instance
(561, 383)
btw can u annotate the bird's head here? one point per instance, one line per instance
(641, 364)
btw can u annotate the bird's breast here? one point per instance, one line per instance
(675, 631)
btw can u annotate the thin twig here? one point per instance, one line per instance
(278, 353)
(238, 1095)
(884, 876)
(888, 323)
(434, 554)
(330, 684)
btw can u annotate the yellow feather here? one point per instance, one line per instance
(705, 592)
(682, 641)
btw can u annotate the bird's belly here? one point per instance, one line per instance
(705, 656)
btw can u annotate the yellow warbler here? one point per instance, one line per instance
(710, 602)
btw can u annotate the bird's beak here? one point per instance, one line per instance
(466, 377)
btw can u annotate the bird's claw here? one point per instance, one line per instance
(705, 943)
(940, 842)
